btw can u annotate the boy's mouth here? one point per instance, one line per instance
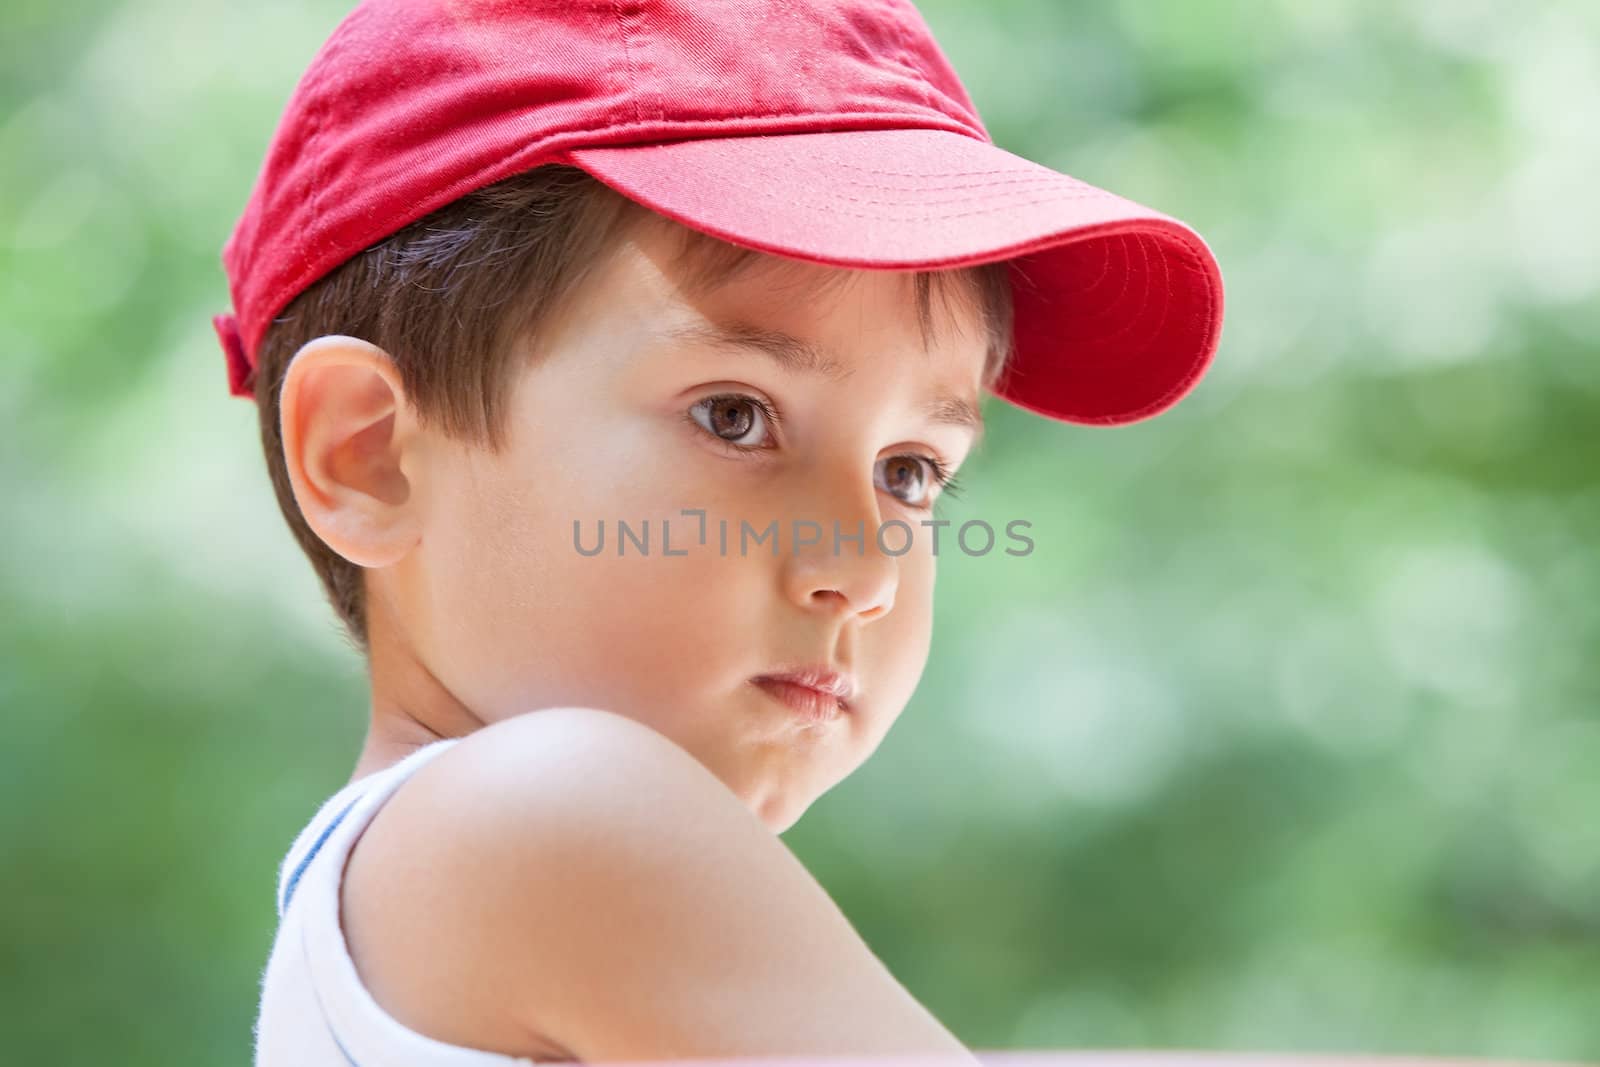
(816, 677)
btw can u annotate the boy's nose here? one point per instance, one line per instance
(850, 574)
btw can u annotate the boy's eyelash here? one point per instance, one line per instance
(768, 412)
(943, 476)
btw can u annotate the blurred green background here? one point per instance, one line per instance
(1286, 736)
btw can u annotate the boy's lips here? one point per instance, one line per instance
(815, 676)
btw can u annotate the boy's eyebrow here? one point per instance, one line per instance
(957, 411)
(790, 352)
(800, 356)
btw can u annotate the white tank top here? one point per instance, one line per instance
(314, 1010)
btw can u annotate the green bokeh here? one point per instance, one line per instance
(1285, 737)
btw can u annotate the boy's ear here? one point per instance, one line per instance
(346, 423)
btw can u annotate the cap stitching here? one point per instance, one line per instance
(1104, 304)
(999, 190)
(1183, 381)
(904, 58)
(1105, 267)
(847, 165)
(925, 217)
(1189, 250)
(318, 113)
(627, 60)
(1134, 322)
(1012, 179)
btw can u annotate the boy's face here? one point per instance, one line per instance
(496, 603)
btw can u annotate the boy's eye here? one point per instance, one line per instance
(745, 423)
(906, 478)
(737, 419)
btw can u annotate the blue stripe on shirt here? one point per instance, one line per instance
(294, 879)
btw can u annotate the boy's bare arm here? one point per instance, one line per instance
(629, 907)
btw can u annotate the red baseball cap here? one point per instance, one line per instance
(833, 131)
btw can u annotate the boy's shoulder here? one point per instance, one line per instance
(572, 885)
(507, 846)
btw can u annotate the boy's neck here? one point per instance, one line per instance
(410, 707)
(388, 744)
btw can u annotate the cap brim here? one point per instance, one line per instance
(1118, 307)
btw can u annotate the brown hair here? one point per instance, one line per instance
(449, 296)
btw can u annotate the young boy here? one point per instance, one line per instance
(518, 275)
